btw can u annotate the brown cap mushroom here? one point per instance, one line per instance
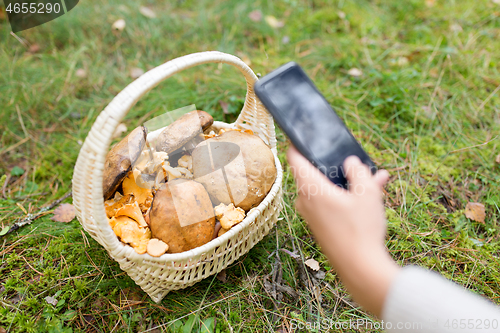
(120, 159)
(182, 215)
(236, 168)
(183, 130)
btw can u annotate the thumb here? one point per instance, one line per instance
(356, 172)
(307, 175)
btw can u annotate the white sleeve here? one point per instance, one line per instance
(423, 301)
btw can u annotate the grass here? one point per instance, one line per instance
(427, 108)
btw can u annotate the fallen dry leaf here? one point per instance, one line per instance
(224, 107)
(222, 277)
(428, 111)
(255, 15)
(81, 73)
(274, 22)
(136, 72)
(50, 129)
(320, 275)
(355, 72)
(124, 9)
(119, 25)
(120, 129)
(475, 211)
(498, 156)
(148, 12)
(402, 61)
(456, 27)
(312, 264)
(34, 48)
(16, 299)
(51, 300)
(2, 330)
(245, 59)
(64, 213)
(434, 72)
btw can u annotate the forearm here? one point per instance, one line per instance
(366, 270)
(423, 301)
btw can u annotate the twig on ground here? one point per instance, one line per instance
(4, 187)
(32, 217)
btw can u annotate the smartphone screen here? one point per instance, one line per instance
(309, 121)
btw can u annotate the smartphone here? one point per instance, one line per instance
(312, 125)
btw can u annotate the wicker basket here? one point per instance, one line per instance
(158, 276)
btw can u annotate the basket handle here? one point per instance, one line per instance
(88, 173)
(253, 113)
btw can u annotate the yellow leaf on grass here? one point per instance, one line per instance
(274, 22)
(475, 211)
(64, 213)
(148, 12)
(355, 72)
(119, 25)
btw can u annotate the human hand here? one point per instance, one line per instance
(349, 225)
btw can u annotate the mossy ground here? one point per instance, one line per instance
(426, 108)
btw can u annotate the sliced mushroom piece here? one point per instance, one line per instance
(156, 247)
(183, 130)
(229, 215)
(133, 211)
(186, 162)
(174, 173)
(142, 247)
(120, 158)
(219, 210)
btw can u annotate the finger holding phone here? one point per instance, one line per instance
(349, 226)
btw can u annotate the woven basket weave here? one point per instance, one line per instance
(158, 276)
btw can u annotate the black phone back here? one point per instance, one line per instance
(309, 121)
